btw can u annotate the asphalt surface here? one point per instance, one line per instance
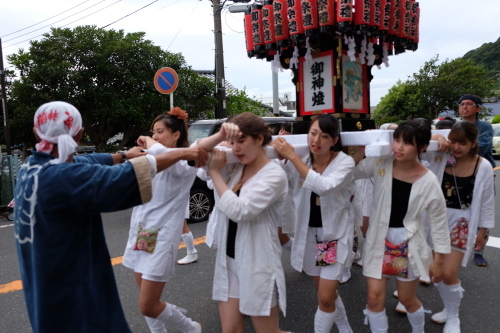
(191, 288)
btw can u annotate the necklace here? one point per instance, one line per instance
(323, 167)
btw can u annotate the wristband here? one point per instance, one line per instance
(124, 157)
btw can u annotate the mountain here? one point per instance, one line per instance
(487, 55)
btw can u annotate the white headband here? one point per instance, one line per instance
(57, 123)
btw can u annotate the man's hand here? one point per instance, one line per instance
(134, 152)
(198, 155)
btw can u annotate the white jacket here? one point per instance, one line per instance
(166, 211)
(257, 212)
(335, 188)
(426, 195)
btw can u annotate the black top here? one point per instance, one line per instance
(315, 212)
(231, 235)
(465, 189)
(400, 198)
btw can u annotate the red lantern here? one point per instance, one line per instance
(257, 29)
(405, 20)
(374, 17)
(362, 16)
(326, 15)
(309, 9)
(295, 26)
(394, 19)
(415, 18)
(268, 24)
(385, 17)
(281, 23)
(344, 15)
(248, 33)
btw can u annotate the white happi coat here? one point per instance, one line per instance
(257, 212)
(426, 195)
(483, 199)
(166, 211)
(335, 188)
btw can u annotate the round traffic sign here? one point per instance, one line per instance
(166, 80)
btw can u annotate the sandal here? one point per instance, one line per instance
(479, 260)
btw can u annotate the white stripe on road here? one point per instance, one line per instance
(7, 225)
(493, 241)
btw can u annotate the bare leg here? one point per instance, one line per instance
(230, 316)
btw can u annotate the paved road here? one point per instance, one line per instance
(191, 288)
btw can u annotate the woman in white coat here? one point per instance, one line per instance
(467, 185)
(324, 229)
(395, 242)
(249, 278)
(156, 227)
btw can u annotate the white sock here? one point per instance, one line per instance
(189, 241)
(155, 325)
(323, 321)
(341, 317)
(174, 317)
(288, 245)
(378, 321)
(417, 320)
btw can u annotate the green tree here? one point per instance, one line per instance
(435, 88)
(496, 119)
(108, 76)
(238, 101)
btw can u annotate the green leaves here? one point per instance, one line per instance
(108, 75)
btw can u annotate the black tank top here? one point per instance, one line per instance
(465, 189)
(315, 220)
(231, 234)
(399, 203)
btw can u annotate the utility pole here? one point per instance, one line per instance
(219, 62)
(4, 102)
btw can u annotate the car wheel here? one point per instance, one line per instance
(200, 205)
(10, 216)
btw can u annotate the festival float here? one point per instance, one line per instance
(331, 48)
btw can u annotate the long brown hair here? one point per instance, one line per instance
(253, 126)
(463, 132)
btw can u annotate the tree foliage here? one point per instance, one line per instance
(487, 55)
(238, 101)
(435, 88)
(108, 75)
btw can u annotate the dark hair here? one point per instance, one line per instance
(414, 132)
(463, 132)
(286, 126)
(253, 126)
(330, 125)
(445, 124)
(174, 124)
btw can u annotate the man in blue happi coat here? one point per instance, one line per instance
(68, 280)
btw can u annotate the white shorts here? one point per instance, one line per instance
(396, 236)
(234, 282)
(155, 278)
(330, 272)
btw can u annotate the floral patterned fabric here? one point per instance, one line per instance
(326, 253)
(146, 240)
(396, 259)
(459, 234)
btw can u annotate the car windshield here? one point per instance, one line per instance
(199, 131)
(496, 130)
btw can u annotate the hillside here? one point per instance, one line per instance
(487, 55)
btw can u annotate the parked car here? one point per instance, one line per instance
(496, 140)
(201, 200)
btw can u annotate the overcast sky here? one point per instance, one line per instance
(449, 28)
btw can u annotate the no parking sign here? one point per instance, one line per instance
(166, 80)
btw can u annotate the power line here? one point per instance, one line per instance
(107, 25)
(168, 47)
(67, 24)
(57, 21)
(45, 20)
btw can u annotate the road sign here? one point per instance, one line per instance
(166, 80)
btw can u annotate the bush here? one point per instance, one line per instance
(496, 119)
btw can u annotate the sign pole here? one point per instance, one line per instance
(171, 100)
(4, 102)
